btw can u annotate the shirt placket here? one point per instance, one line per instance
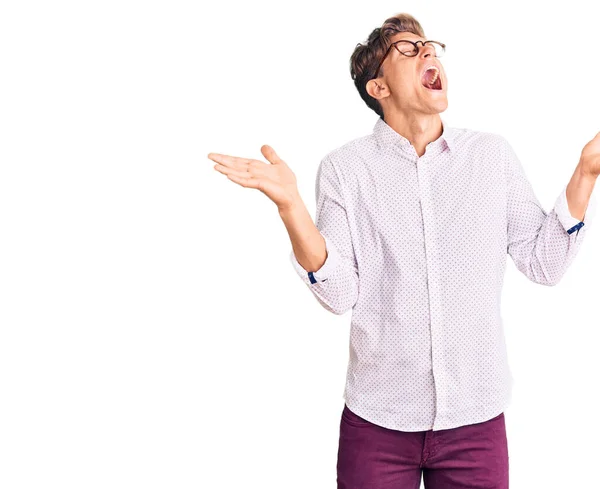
(424, 172)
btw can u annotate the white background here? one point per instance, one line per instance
(153, 333)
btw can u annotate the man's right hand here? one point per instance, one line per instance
(275, 180)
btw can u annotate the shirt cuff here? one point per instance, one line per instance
(326, 269)
(570, 223)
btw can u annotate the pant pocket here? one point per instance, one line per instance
(353, 418)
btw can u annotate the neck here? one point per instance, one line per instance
(419, 129)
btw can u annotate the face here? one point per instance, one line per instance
(402, 84)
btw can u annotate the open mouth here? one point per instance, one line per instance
(431, 79)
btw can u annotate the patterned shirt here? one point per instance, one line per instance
(416, 248)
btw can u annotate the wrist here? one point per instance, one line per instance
(291, 207)
(583, 174)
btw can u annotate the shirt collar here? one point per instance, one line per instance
(386, 136)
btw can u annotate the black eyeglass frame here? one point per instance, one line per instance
(414, 43)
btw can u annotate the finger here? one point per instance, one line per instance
(270, 154)
(231, 171)
(245, 182)
(253, 169)
(230, 161)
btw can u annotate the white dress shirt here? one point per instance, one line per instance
(416, 248)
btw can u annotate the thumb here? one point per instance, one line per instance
(269, 154)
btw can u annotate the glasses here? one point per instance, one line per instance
(410, 49)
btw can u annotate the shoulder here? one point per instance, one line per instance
(352, 151)
(345, 162)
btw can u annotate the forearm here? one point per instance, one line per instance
(579, 190)
(543, 244)
(307, 242)
(323, 254)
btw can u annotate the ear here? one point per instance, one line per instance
(377, 89)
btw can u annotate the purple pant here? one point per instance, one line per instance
(373, 457)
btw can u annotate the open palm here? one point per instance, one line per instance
(275, 180)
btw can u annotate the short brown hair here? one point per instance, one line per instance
(366, 57)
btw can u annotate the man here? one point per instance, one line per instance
(413, 225)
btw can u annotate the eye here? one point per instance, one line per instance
(406, 47)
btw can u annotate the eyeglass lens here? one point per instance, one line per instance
(409, 49)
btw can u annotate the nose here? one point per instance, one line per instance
(426, 49)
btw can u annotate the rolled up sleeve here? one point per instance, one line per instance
(570, 223)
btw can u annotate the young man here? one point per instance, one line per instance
(413, 225)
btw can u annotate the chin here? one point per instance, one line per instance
(439, 106)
